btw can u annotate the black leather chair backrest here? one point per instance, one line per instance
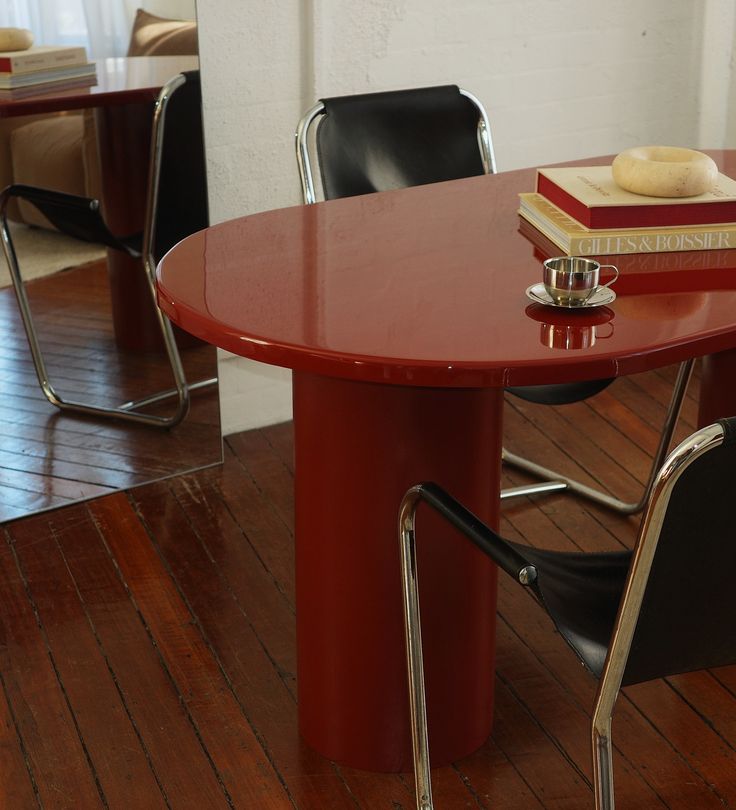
(396, 139)
(182, 196)
(688, 614)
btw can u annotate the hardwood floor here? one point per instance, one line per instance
(147, 647)
(48, 458)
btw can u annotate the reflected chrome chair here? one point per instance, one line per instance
(629, 616)
(176, 206)
(382, 141)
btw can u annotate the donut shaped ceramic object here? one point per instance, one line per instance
(664, 171)
(15, 39)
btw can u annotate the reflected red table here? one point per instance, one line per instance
(122, 99)
(403, 315)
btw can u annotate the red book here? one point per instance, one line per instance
(590, 195)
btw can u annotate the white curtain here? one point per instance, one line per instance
(102, 26)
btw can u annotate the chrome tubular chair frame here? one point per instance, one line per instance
(302, 152)
(510, 558)
(551, 481)
(556, 482)
(623, 634)
(128, 411)
(182, 389)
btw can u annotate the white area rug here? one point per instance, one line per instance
(42, 252)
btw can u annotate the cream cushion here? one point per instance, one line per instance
(7, 127)
(157, 36)
(49, 153)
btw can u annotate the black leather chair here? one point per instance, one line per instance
(629, 616)
(176, 207)
(381, 141)
(396, 139)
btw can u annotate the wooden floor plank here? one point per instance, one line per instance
(554, 782)
(231, 743)
(701, 747)
(16, 784)
(120, 762)
(167, 733)
(270, 474)
(266, 530)
(44, 723)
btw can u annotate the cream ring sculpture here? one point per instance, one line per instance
(15, 39)
(664, 171)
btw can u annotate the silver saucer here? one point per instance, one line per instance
(601, 297)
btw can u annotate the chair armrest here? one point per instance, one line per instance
(507, 555)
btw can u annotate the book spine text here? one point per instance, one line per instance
(652, 243)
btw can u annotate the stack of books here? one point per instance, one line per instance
(583, 212)
(44, 68)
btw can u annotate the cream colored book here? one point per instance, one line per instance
(42, 57)
(590, 195)
(574, 239)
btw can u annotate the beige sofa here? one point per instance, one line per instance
(59, 151)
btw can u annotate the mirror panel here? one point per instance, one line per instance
(49, 458)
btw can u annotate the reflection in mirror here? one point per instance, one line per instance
(50, 458)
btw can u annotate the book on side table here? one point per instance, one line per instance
(26, 72)
(13, 82)
(42, 57)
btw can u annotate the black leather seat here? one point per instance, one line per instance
(400, 138)
(176, 207)
(663, 609)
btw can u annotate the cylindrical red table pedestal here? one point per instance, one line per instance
(359, 447)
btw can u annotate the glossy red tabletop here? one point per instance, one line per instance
(426, 286)
(123, 80)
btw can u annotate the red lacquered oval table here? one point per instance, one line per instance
(403, 315)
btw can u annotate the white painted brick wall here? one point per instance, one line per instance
(560, 78)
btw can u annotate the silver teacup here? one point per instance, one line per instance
(571, 280)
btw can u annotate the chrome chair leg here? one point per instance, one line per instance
(415, 663)
(602, 765)
(126, 411)
(600, 723)
(135, 404)
(556, 482)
